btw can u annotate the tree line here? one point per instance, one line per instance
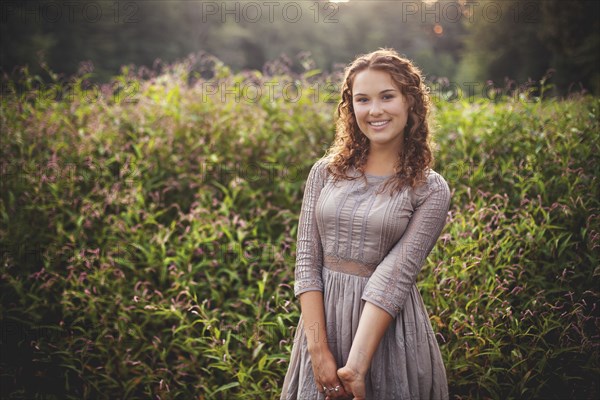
(503, 41)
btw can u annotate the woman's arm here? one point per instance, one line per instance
(394, 277)
(313, 317)
(309, 249)
(374, 321)
(323, 363)
(388, 287)
(308, 286)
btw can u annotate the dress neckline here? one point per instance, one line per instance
(373, 176)
(377, 176)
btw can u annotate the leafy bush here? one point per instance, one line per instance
(148, 236)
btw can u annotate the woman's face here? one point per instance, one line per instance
(381, 111)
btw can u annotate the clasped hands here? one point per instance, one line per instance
(344, 383)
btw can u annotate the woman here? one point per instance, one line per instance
(372, 211)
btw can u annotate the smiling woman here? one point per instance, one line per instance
(364, 331)
(381, 110)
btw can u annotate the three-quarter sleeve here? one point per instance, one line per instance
(309, 250)
(395, 275)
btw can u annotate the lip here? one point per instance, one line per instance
(381, 127)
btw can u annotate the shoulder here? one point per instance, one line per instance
(436, 182)
(435, 186)
(318, 171)
(320, 166)
(325, 160)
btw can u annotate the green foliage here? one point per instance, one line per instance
(148, 237)
(463, 41)
(526, 40)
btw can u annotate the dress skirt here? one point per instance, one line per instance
(407, 364)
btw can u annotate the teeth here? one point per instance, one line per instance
(379, 123)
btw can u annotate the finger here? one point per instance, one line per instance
(331, 393)
(341, 392)
(347, 388)
(320, 388)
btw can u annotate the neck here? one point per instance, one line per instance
(382, 155)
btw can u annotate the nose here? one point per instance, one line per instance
(375, 108)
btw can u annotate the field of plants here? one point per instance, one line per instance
(148, 235)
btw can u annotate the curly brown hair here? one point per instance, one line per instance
(351, 146)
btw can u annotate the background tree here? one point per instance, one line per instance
(461, 40)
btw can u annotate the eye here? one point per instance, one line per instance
(388, 96)
(361, 99)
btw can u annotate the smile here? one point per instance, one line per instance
(379, 123)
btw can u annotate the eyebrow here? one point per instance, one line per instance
(383, 91)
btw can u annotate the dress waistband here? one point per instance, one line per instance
(348, 266)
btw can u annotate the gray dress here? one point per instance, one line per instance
(357, 245)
